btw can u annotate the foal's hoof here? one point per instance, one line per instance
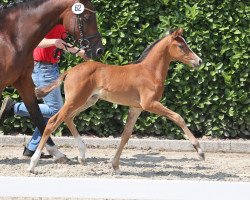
(32, 171)
(62, 160)
(81, 161)
(201, 156)
(200, 152)
(117, 172)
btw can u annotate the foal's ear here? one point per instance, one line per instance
(177, 33)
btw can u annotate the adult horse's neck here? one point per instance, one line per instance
(158, 59)
(33, 23)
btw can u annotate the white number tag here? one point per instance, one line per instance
(78, 8)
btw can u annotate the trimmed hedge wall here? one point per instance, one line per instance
(214, 100)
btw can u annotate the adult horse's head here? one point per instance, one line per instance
(80, 21)
(180, 51)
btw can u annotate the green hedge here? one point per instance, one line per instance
(213, 100)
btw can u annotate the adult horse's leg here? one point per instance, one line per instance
(157, 108)
(1, 91)
(132, 117)
(26, 89)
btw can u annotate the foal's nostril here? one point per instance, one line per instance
(200, 62)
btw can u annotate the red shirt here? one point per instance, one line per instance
(47, 54)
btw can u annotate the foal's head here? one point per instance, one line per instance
(83, 25)
(179, 50)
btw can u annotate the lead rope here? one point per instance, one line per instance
(59, 52)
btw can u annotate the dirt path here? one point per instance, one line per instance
(134, 164)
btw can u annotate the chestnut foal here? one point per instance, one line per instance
(139, 86)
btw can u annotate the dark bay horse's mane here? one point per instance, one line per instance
(150, 47)
(24, 4)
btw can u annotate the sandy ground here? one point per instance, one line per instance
(149, 164)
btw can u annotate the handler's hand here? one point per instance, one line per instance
(83, 55)
(60, 44)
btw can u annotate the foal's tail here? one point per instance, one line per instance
(42, 92)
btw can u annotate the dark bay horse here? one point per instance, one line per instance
(139, 86)
(23, 26)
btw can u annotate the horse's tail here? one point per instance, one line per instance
(42, 92)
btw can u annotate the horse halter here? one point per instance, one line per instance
(84, 41)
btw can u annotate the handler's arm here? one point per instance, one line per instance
(60, 44)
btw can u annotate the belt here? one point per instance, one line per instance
(43, 62)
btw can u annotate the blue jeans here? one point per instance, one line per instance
(43, 74)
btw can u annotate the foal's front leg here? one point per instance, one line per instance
(157, 108)
(132, 117)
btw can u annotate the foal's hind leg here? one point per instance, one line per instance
(78, 140)
(52, 125)
(132, 117)
(80, 144)
(157, 108)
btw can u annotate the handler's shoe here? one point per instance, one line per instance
(28, 153)
(7, 108)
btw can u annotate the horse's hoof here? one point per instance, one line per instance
(62, 160)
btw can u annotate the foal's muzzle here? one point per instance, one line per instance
(198, 63)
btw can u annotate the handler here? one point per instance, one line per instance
(46, 70)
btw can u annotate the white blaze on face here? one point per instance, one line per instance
(78, 8)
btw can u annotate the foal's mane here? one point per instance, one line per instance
(150, 47)
(24, 4)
